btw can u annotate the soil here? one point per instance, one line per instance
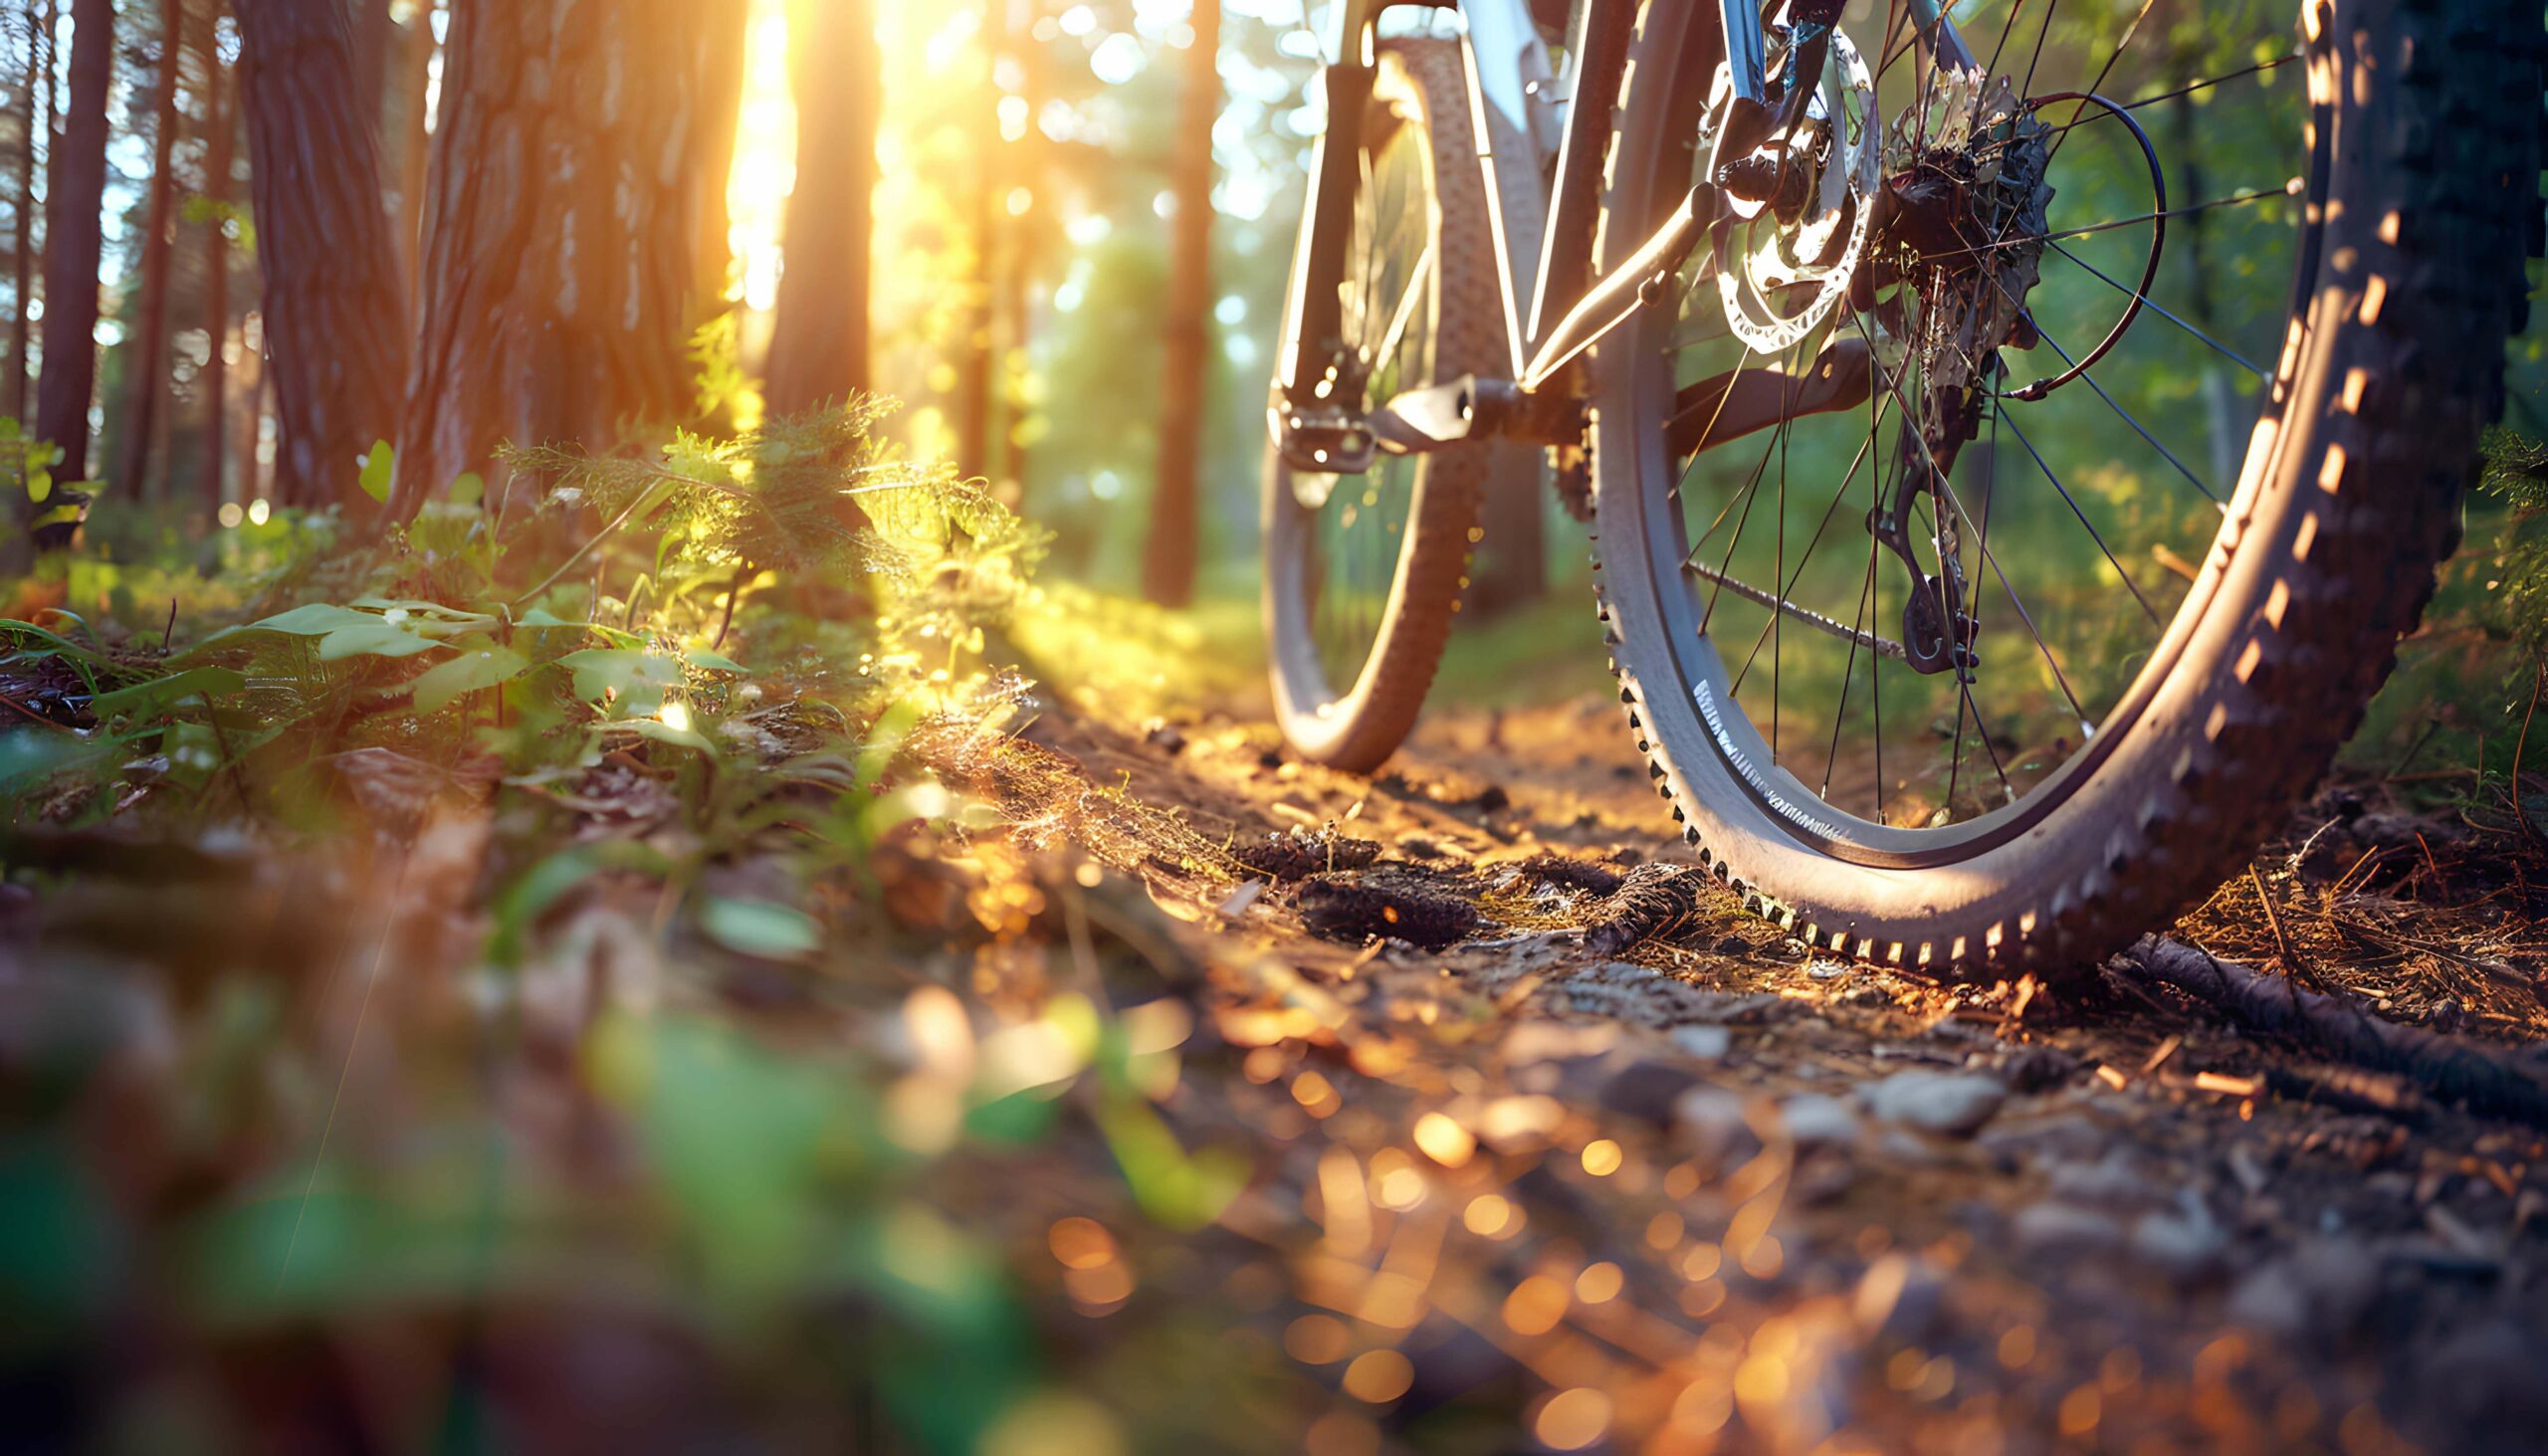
(1676, 1183)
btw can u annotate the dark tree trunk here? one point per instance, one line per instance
(819, 353)
(147, 380)
(74, 239)
(335, 339)
(576, 187)
(36, 15)
(221, 124)
(1167, 565)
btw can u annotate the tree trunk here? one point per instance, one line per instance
(74, 238)
(335, 339)
(1167, 565)
(819, 352)
(220, 160)
(37, 16)
(415, 142)
(567, 260)
(147, 380)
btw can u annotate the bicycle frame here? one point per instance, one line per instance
(1566, 309)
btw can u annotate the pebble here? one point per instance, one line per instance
(2186, 1245)
(1711, 1121)
(2322, 1290)
(1946, 1103)
(1649, 1090)
(2058, 1229)
(1707, 1043)
(1816, 1121)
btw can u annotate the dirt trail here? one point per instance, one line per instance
(1722, 1191)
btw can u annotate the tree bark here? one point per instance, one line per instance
(37, 16)
(74, 239)
(819, 352)
(147, 381)
(567, 253)
(220, 160)
(1168, 564)
(415, 142)
(334, 305)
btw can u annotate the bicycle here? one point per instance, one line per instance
(1831, 259)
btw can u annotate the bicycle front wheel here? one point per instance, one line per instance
(1364, 572)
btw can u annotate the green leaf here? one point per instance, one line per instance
(375, 638)
(701, 657)
(469, 490)
(758, 927)
(635, 681)
(482, 664)
(38, 486)
(377, 468)
(147, 700)
(314, 620)
(522, 902)
(663, 733)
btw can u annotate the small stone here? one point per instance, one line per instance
(1828, 969)
(1707, 1043)
(1711, 1120)
(2064, 1229)
(1816, 1121)
(2186, 1245)
(1948, 1104)
(2322, 1290)
(1649, 1090)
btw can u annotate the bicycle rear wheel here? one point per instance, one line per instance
(2063, 685)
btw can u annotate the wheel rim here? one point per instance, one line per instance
(1975, 787)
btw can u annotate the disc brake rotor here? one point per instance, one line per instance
(1782, 271)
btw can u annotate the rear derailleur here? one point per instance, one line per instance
(1937, 632)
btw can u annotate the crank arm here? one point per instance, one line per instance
(1739, 402)
(1470, 408)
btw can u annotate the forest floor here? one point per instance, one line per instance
(424, 1080)
(1726, 1189)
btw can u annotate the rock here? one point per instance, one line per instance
(1556, 1041)
(1828, 969)
(1898, 1298)
(2322, 1290)
(1816, 1121)
(2186, 1245)
(1166, 737)
(1649, 1090)
(2038, 1068)
(1707, 1043)
(2113, 1181)
(2065, 1230)
(1711, 1121)
(1948, 1104)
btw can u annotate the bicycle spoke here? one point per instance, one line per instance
(1991, 559)
(2036, 59)
(2107, 70)
(1964, 680)
(2126, 416)
(2153, 305)
(1786, 597)
(1404, 312)
(2184, 91)
(2129, 584)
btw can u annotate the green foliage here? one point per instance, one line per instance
(2517, 475)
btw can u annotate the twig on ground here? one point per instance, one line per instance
(2451, 1068)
